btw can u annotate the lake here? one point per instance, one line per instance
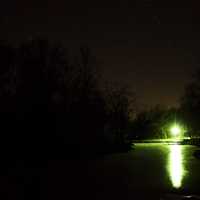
(151, 168)
(150, 171)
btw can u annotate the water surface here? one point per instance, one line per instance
(155, 167)
(150, 171)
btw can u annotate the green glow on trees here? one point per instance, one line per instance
(176, 130)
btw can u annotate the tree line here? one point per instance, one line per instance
(53, 104)
(155, 123)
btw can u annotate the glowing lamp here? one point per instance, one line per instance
(175, 130)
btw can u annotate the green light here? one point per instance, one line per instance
(176, 167)
(175, 130)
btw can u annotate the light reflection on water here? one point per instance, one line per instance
(175, 165)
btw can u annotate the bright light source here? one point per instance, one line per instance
(175, 130)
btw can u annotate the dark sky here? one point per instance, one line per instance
(151, 45)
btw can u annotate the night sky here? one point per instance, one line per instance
(151, 45)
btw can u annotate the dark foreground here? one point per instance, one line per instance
(150, 171)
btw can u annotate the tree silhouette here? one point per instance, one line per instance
(119, 106)
(53, 108)
(7, 88)
(190, 104)
(87, 104)
(58, 105)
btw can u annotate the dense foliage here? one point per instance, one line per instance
(190, 104)
(55, 105)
